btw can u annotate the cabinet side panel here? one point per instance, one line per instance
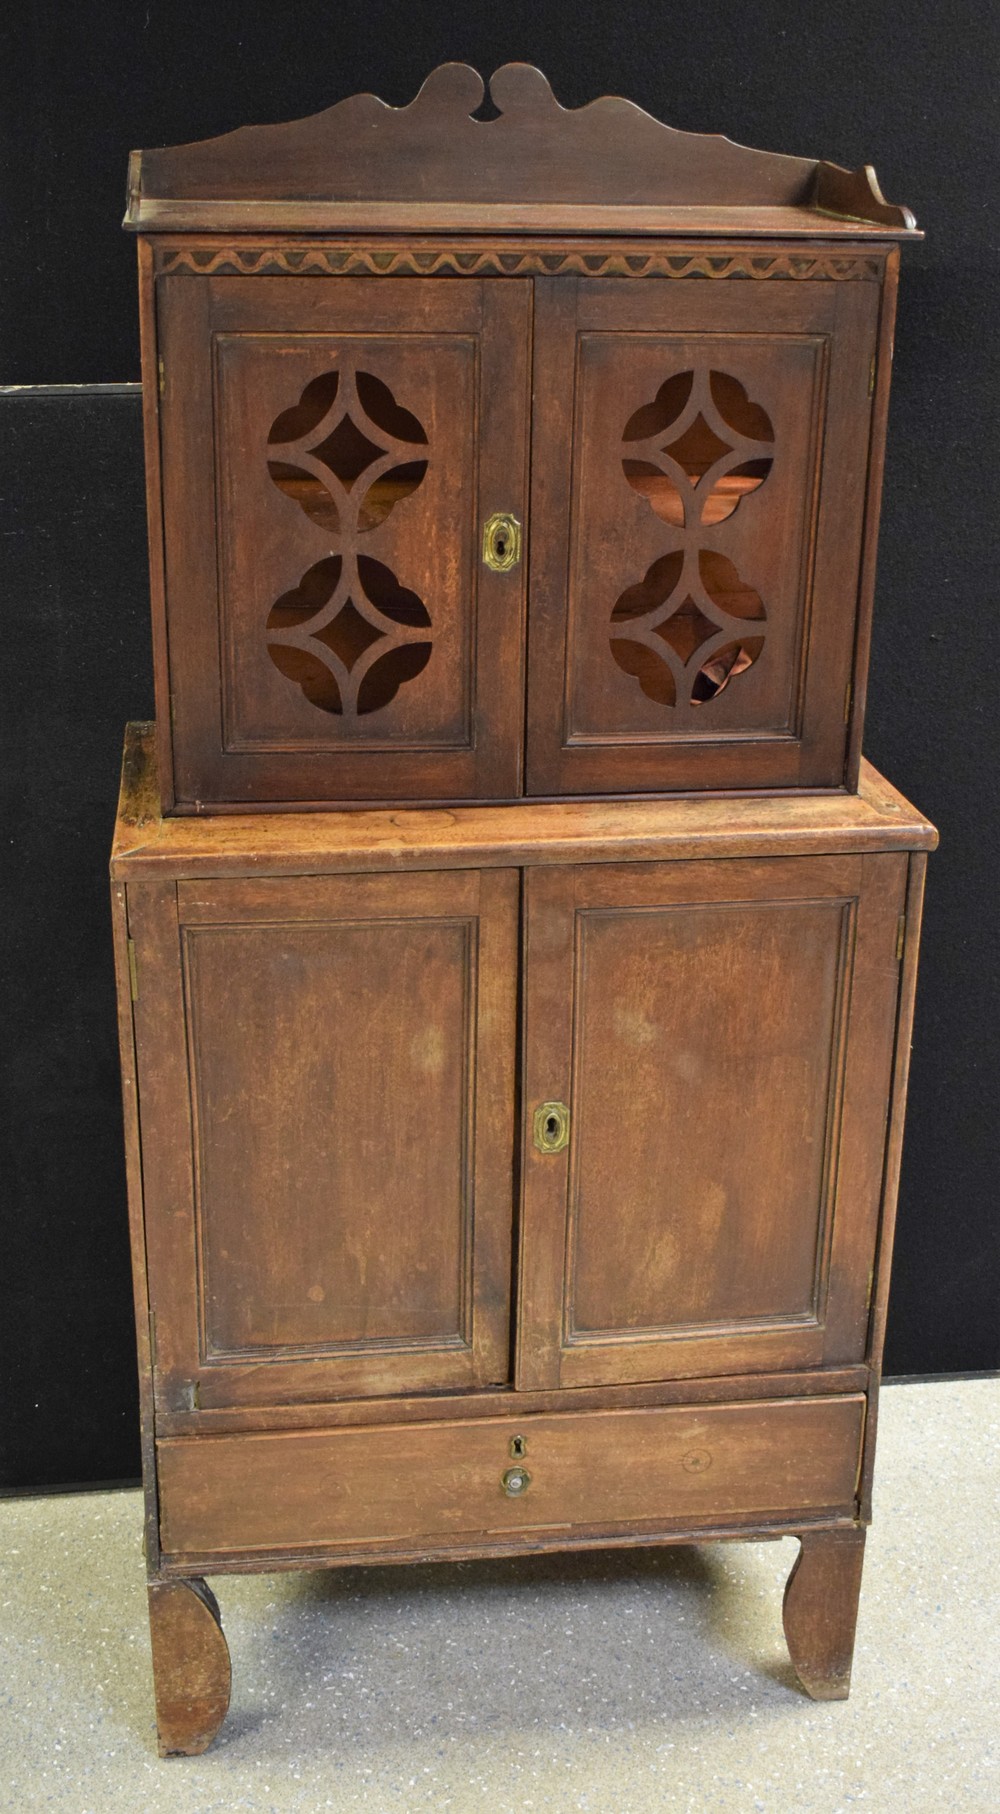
(124, 974)
(150, 368)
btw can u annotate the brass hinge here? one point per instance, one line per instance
(133, 975)
(161, 379)
(848, 698)
(191, 1396)
(871, 1288)
(900, 936)
(871, 377)
(152, 1338)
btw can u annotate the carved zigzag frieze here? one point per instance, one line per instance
(465, 261)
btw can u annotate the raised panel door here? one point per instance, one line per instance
(326, 1087)
(698, 479)
(332, 448)
(721, 1035)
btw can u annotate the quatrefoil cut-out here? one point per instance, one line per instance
(698, 449)
(694, 453)
(349, 634)
(682, 632)
(344, 452)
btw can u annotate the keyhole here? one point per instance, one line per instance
(501, 546)
(552, 1127)
(518, 1448)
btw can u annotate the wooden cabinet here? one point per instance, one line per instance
(330, 449)
(515, 956)
(345, 543)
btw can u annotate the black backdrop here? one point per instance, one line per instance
(909, 86)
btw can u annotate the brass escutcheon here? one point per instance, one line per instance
(501, 542)
(551, 1125)
(515, 1481)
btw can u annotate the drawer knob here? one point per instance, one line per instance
(515, 1481)
(501, 542)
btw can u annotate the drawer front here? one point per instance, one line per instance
(680, 1467)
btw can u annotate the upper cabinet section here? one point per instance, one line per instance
(533, 454)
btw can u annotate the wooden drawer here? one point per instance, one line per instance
(414, 1484)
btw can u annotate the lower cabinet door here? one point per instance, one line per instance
(707, 1058)
(326, 1085)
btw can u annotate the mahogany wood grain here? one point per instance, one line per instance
(662, 251)
(432, 160)
(504, 1401)
(821, 1610)
(484, 836)
(562, 1540)
(361, 1488)
(149, 368)
(873, 509)
(667, 357)
(191, 1672)
(136, 1215)
(733, 1229)
(802, 355)
(893, 1158)
(242, 555)
(328, 1196)
(755, 224)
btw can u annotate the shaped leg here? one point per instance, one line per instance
(191, 1674)
(821, 1610)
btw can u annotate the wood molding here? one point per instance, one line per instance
(433, 152)
(465, 260)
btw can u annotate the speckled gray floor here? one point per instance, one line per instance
(611, 1683)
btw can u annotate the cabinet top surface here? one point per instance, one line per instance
(478, 836)
(536, 165)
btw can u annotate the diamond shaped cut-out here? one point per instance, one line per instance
(347, 452)
(355, 662)
(349, 634)
(686, 630)
(697, 448)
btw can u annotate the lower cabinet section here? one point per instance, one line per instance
(540, 1109)
(500, 1483)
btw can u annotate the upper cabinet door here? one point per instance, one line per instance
(698, 485)
(326, 1078)
(708, 1053)
(332, 450)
